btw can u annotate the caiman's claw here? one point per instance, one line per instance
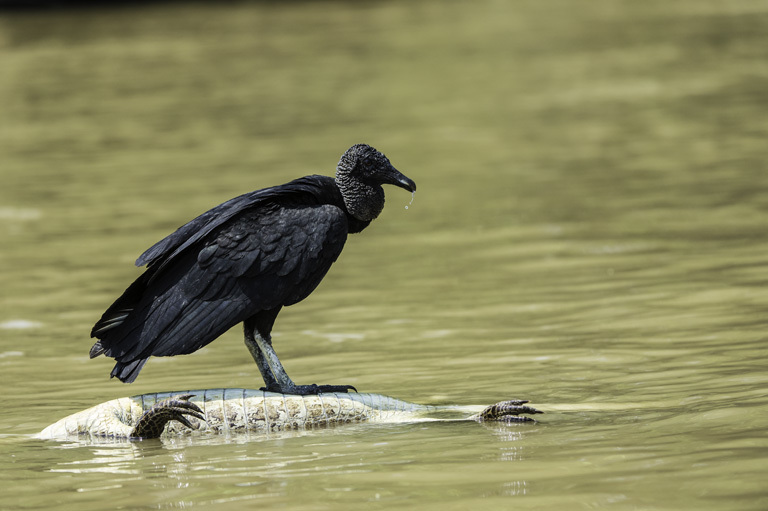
(176, 408)
(507, 411)
(309, 390)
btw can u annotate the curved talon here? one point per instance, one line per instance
(335, 388)
(507, 411)
(152, 422)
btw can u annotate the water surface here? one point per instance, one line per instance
(589, 233)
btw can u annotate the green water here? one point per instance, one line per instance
(589, 233)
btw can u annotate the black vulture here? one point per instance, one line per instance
(243, 261)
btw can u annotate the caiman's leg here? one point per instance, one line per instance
(259, 343)
(506, 411)
(153, 421)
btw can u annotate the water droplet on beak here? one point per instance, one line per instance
(412, 195)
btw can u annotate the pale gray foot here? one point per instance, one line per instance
(306, 390)
(258, 357)
(272, 370)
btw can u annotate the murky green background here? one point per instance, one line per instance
(589, 233)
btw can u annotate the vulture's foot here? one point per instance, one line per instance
(308, 390)
(507, 411)
(175, 408)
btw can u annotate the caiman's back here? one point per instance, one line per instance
(257, 410)
(237, 410)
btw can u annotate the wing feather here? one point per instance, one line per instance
(199, 228)
(260, 259)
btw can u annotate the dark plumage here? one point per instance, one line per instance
(242, 261)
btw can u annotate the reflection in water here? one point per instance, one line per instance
(515, 488)
(511, 449)
(513, 452)
(108, 456)
(277, 466)
(115, 460)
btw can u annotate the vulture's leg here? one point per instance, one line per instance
(259, 342)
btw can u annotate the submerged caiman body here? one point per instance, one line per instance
(234, 410)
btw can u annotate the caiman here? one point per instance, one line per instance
(234, 410)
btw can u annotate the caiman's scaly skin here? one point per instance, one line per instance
(240, 410)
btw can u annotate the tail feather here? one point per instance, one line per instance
(128, 371)
(96, 350)
(117, 323)
(163, 317)
(123, 306)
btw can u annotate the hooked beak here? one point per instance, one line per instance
(395, 177)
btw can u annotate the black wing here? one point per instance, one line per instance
(259, 259)
(196, 229)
